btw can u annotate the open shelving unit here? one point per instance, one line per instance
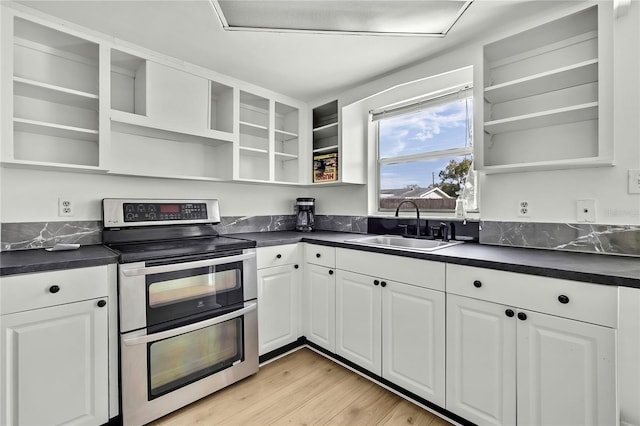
(254, 145)
(55, 98)
(287, 143)
(542, 92)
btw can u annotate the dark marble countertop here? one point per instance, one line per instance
(585, 267)
(40, 260)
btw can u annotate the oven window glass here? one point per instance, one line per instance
(180, 360)
(192, 287)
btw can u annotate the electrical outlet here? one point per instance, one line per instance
(634, 181)
(65, 206)
(524, 208)
(586, 210)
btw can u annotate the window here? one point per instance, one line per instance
(425, 151)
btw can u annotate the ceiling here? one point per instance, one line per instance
(301, 65)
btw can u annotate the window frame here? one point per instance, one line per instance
(432, 98)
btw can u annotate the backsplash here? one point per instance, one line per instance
(31, 235)
(604, 239)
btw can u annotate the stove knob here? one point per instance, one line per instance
(152, 216)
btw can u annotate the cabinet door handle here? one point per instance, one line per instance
(477, 284)
(522, 316)
(54, 289)
(376, 282)
(317, 254)
(563, 299)
(102, 303)
(509, 313)
(278, 256)
(330, 271)
(383, 284)
(296, 266)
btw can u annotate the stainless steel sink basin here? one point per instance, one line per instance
(395, 241)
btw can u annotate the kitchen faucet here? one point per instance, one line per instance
(417, 214)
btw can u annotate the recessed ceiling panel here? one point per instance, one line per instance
(377, 17)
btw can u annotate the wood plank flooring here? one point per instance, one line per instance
(302, 388)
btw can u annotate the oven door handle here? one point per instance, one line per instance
(137, 340)
(187, 265)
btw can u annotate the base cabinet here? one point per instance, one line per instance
(320, 306)
(394, 330)
(278, 306)
(510, 366)
(55, 365)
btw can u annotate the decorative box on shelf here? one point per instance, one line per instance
(325, 167)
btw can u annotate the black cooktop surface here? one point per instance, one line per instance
(156, 250)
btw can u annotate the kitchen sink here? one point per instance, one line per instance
(395, 241)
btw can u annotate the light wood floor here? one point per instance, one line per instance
(303, 388)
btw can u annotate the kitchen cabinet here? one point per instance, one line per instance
(50, 110)
(331, 137)
(320, 296)
(58, 359)
(511, 362)
(279, 296)
(393, 329)
(544, 88)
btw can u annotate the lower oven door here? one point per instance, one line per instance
(169, 369)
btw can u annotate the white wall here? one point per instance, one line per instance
(551, 194)
(32, 195)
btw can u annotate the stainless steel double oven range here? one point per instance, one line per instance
(187, 304)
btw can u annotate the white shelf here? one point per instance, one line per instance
(254, 129)
(331, 148)
(325, 131)
(571, 114)
(56, 94)
(284, 136)
(165, 176)
(283, 156)
(253, 151)
(561, 78)
(56, 130)
(575, 163)
(46, 165)
(135, 124)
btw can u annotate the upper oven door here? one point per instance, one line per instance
(155, 292)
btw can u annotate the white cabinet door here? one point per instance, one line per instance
(358, 319)
(176, 98)
(278, 303)
(566, 372)
(320, 306)
(55, 365)
(413, 339)
(481, 361)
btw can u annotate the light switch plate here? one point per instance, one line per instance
(586, 210)
(634, 181)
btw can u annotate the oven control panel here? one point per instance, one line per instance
(149, 212)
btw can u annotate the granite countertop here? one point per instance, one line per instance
(39, 260)
(585, 267)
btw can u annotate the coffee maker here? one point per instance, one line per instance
(305, 212)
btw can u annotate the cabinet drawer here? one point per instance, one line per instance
(592, 303)
(267, 257)
(320, 255)
(38, 290)
(422, 273)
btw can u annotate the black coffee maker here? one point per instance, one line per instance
(305, 212)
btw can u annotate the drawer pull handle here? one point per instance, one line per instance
(279, 256)
(102, 303)
(383, 284)
(563, 299)
(522, 316)
(477, 284)
(509, 313)
(296, 266)
(318, 255)
(330, 271)
(54, 289)
(376, 282)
